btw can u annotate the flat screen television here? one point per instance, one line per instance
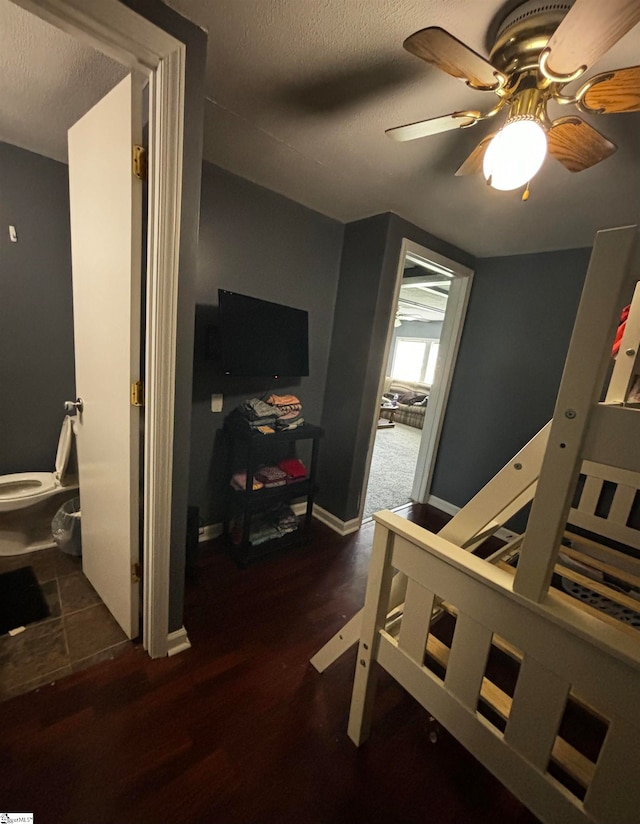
(262, 339)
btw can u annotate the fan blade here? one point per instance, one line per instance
(473, 164)
(437, 46)
(614, 91)
(576, 144)
(435, 125)
(590, 29)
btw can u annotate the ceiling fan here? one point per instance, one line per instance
(539, 48)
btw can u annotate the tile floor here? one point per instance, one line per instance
(79, 632)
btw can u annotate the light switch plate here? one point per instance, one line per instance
(216, 403)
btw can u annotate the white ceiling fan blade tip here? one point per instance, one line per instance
(435, 125)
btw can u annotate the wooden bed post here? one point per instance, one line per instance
(374, 617)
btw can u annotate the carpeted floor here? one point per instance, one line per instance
(392, 469)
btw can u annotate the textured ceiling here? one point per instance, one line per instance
(47, 82)
(299, 95)
(301, 91)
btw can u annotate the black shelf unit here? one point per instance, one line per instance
(247, 451)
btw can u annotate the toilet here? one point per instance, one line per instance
(29, 500)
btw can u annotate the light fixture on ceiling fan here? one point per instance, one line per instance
(540, 47)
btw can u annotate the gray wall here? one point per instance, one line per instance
(517, 330)
(36, 309)
(368, 275)
(261, 244)
(196, 52)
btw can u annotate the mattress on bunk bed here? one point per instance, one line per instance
(601, 602)
(614, 593)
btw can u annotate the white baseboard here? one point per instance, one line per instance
(445, 506)
(209, 532)
(452, 509)
(177, 642)
(330, 520)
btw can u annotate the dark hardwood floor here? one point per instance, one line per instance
(241, 729)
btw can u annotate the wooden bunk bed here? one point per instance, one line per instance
(543, 688)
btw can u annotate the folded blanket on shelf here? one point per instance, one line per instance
(289, 409)
(285, 519)
(255, 409)
(271, 476)
(294, 468)
(236, 420)
(289, 406)
(268, 526)
(263, 533)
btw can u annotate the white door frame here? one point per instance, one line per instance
(119, 32)
(447, 354)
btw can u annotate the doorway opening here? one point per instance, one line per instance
(422, 343)
(150, 52)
